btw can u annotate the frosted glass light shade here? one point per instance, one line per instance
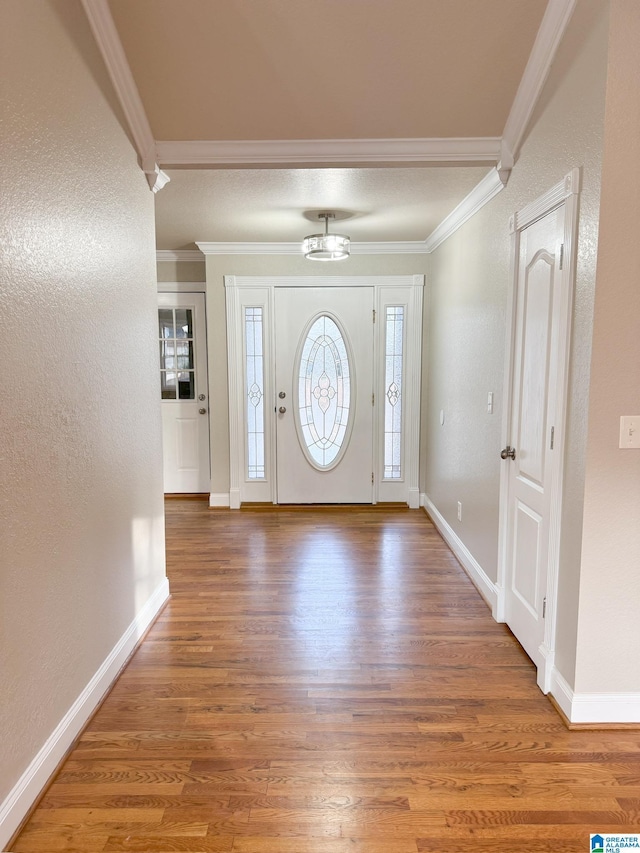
(326, 247)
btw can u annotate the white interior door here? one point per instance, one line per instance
(184, 389)
(538, 341)
(324, 394)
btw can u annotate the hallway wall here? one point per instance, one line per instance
(172, 271)
(81, 541)
(469, 281)
(609, 628)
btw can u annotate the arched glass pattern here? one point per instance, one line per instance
(324, 391)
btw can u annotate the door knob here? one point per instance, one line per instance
(282, 395)
(202, 411)
(282, 410)
(508, 453)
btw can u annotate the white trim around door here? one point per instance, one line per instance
(403, 294)
(565, 193)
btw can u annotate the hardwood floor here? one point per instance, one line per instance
(330, 682)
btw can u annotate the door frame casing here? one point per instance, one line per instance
(242, 291)
(565, 192)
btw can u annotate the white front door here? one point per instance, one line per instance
(345, 353)
(539, 340)
(324, 394)
(184, 389)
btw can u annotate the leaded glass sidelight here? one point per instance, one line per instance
(254, 390)
(177, 366)
(394, 354)
(324, 392)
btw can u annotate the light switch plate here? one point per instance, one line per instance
(490, 403)
(630, 431)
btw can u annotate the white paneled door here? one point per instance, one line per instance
(184, 391)
(324, 394)
(539, 337)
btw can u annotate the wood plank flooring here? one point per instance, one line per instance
(330, 682)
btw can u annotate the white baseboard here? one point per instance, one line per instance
(26, 791)
(219, 499)
(594, 708)
(561, 692)
(414, 499)
(477, 574)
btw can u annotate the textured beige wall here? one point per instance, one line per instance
(469, 283)
(220, 265)
(609, 623)
(181, 271)
(81, 505)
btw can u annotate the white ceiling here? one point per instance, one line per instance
(196, 77)
(265, 205)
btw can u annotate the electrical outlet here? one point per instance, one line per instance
(630, 431)
(459, 511)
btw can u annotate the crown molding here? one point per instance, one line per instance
(179, 255)
(552, 29)
(399, 248)
(250, 248)
(488, 188)
(156, 178)
(326, 152)
(402, 247)
(109, 44)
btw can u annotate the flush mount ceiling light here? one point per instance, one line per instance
(326, 247)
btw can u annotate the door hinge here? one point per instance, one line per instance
(374, 315)
(561, 255)
(544, 607)
(553, 431)
(372, 478)
(373, 399)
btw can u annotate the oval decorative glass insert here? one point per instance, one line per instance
(324, 392)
